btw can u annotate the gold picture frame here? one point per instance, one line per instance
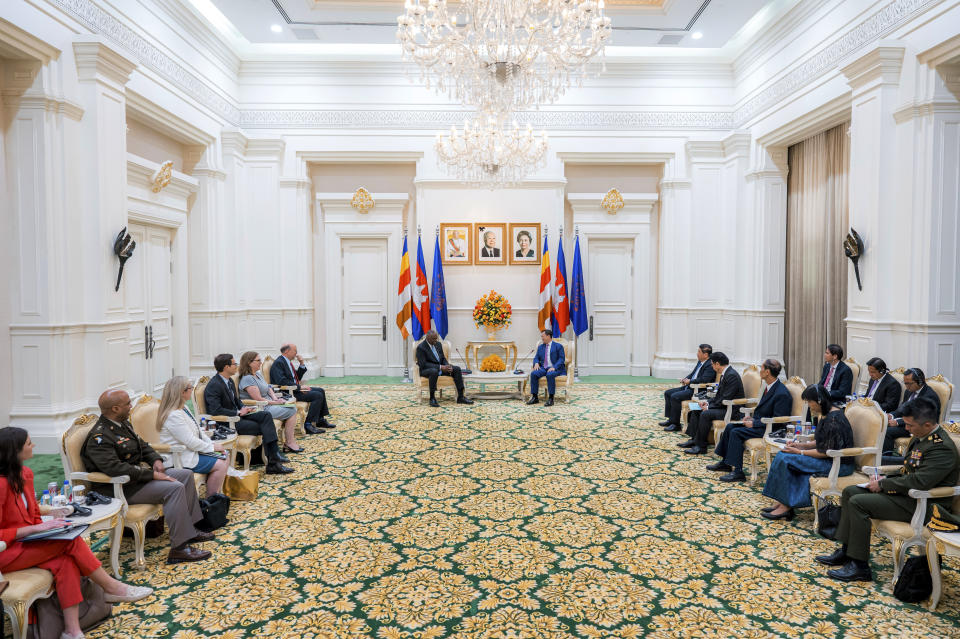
(488, 243)
(456, 244)
(525, 243)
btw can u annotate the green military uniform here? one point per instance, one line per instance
(116, 449)
(930, 462)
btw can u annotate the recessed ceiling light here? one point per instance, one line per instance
(276, 28)
(696, 35)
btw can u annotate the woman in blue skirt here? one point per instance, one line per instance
(788, 481)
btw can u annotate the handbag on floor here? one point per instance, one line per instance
(241, 485)
(914, 583)
(829, 518)
(215, 508)
(47, 616)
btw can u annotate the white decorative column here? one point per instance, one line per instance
(296, 288)
(874, 212)
(637, 222)
(341, 221)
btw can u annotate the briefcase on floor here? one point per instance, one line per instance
(241, 485)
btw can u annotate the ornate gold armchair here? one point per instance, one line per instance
(302, 407)
(897, 374)
(564, 382)
(941, 544)
(244, 444)
(904, 535)
(708, 387)
(869, 425)
(944, 390)
(759, 445)
(132, 516)
(421, 384)
(278, 424)
(24, 587)
(752, 384)
(857, 370)
(143, 417)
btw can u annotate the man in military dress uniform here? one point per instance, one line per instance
(931, 461)
(113, 448)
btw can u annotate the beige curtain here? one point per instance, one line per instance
(817, 214)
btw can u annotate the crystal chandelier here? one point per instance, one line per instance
(502, 55)
(488, 153)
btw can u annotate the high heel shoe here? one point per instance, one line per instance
(287, 449)
(787, 514)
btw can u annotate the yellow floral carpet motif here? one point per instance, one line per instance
(503, 521)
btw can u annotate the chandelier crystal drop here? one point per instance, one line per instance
(502, 55)
(489, 153)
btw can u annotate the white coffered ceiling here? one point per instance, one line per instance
(636, 23)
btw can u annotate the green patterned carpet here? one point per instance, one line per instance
(505, 521)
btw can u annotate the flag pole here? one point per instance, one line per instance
(576, 346)
(406, 351)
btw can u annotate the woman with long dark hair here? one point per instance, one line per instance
(788, 482)
(67, 560)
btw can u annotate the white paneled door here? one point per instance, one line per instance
(608, 347)
(365, 299)
(147, 287)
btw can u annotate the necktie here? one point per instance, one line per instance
(913, 397)
(873, 388)
(765, 390)
(549, 359)
(829, 378)
(434, 349)
(296, 377)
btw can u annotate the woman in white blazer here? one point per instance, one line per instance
(177, 426)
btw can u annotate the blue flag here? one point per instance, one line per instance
(578, 296)
(438, 295)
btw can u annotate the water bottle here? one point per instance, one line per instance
(67, 491)
(53, 488)
(797, 429)
(45, 500)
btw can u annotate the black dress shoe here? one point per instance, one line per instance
(549, 401)
(851, 572)
(202, 537)
(736, 475)
(838, 558)
(434, 403)
(687, 444)
(310, 429)
(665, 422)
(532, 400)
(282, 458)
(276, 468)
(287, 449)
(672, 428)
(720, 466)
(696, 450)
(787, 514)
(187, 553)
(327, 424)
(769, 509)
(463, 399)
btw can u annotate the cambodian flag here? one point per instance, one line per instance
(438, 301)
(561, 305)
(421, 296)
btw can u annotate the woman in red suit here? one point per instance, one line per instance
(67, 560)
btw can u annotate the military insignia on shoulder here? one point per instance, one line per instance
(98, 439)
(936, 438)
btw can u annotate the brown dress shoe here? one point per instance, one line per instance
(201, 537)
(187, 553)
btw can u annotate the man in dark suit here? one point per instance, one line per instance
(673, 398)
(916, 385)
(222, 398)
(549, 362)
(776, 401)
(836, 377)
(489, 245)
(284, 373)
(433, 363)
(883, 388)
(699, 422)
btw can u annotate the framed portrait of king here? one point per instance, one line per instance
(456, 246)
(490, 243)
(525, 243)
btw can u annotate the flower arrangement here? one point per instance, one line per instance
(492, 311)
(493, 364)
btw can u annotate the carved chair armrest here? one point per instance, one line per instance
(739, 402)
(881, 469)
(224, 418)
(935, 493)
(103, 478)
(851, 452)
(786, 419)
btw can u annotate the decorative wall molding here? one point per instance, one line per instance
(37, 100)
(873, 28)
(96, 60)
(434, 119)
(17, 41)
